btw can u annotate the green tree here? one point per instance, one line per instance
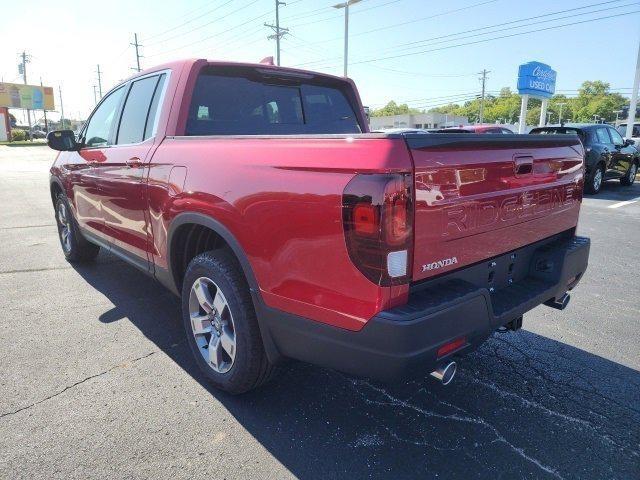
(392, 108)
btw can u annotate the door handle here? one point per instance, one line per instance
(523, 165)
(134, 162)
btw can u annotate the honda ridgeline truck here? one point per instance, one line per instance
(257, 195)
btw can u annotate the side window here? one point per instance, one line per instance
(137, 111)
(602, 135)
(616, 137)
(100, 123)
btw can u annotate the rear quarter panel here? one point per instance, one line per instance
(281, 198)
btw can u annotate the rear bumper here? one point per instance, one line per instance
(407, 338)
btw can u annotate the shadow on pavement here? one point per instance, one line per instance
(522, 406)
(613, 190)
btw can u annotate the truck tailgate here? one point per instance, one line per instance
(479, 196)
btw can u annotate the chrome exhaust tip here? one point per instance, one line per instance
(559, 304)
(445, 374)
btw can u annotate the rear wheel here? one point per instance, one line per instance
(630, 176)
(221, 325)
(594, 181)
(75, 247)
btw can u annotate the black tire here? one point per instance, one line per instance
(592, 184)
(76, 248)
(250, 368)
(630, 175)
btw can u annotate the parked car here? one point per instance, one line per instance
(38, 134)
(635, 132)
(607, 155)
(257, 195)
(482, 129)
(400, 130)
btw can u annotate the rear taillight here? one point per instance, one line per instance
(377, 212)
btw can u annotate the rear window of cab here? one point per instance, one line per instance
(243, 101)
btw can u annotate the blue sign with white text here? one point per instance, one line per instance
(536, 79)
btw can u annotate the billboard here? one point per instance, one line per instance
(536, 79)
(33, 97)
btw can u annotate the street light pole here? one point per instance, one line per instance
(346, 5)
(634, 98)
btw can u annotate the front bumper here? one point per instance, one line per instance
(470, 303)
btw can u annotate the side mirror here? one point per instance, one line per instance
(628, 142)
(63, 140)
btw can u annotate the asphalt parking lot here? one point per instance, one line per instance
(97, 381)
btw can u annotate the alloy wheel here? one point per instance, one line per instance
(597, 180)
(212, 324)
(632, 172)
(65, 227)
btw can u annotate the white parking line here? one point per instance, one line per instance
(622, 204)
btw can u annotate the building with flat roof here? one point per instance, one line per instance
(417, 120)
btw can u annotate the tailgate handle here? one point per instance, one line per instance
(523, 166)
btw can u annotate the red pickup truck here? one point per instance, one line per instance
(257, 195)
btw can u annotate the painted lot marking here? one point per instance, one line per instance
(622, 204)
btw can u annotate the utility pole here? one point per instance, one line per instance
(483, 79)
(138, 56)
(99, 81)
(280, 32)
(44, 109)
(634, 99)
(25, 59)
(61, 109)
(95, 96)
(560, 105)
(346, 5)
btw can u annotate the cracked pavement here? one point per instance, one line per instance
(96, 380)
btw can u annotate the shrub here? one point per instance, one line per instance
(18, 135)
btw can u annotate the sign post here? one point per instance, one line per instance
(535, 80)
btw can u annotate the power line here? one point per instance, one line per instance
(487, 39)
(448, 12)
(188, 21)
(361, 10)
(211, 36)
(205, 24)
(430, 40)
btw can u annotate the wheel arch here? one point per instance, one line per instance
(193, 219)
(173, 277)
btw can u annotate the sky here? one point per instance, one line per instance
(421, 52)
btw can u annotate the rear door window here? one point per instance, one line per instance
(603, 136)
(247, 104)
(139, 111)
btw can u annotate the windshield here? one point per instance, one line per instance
(558, 131)
(246, 103)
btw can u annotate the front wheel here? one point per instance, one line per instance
(221, 325)
(630, 176)
(75, 247)
(594, 181)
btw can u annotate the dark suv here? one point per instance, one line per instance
(607, 154)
